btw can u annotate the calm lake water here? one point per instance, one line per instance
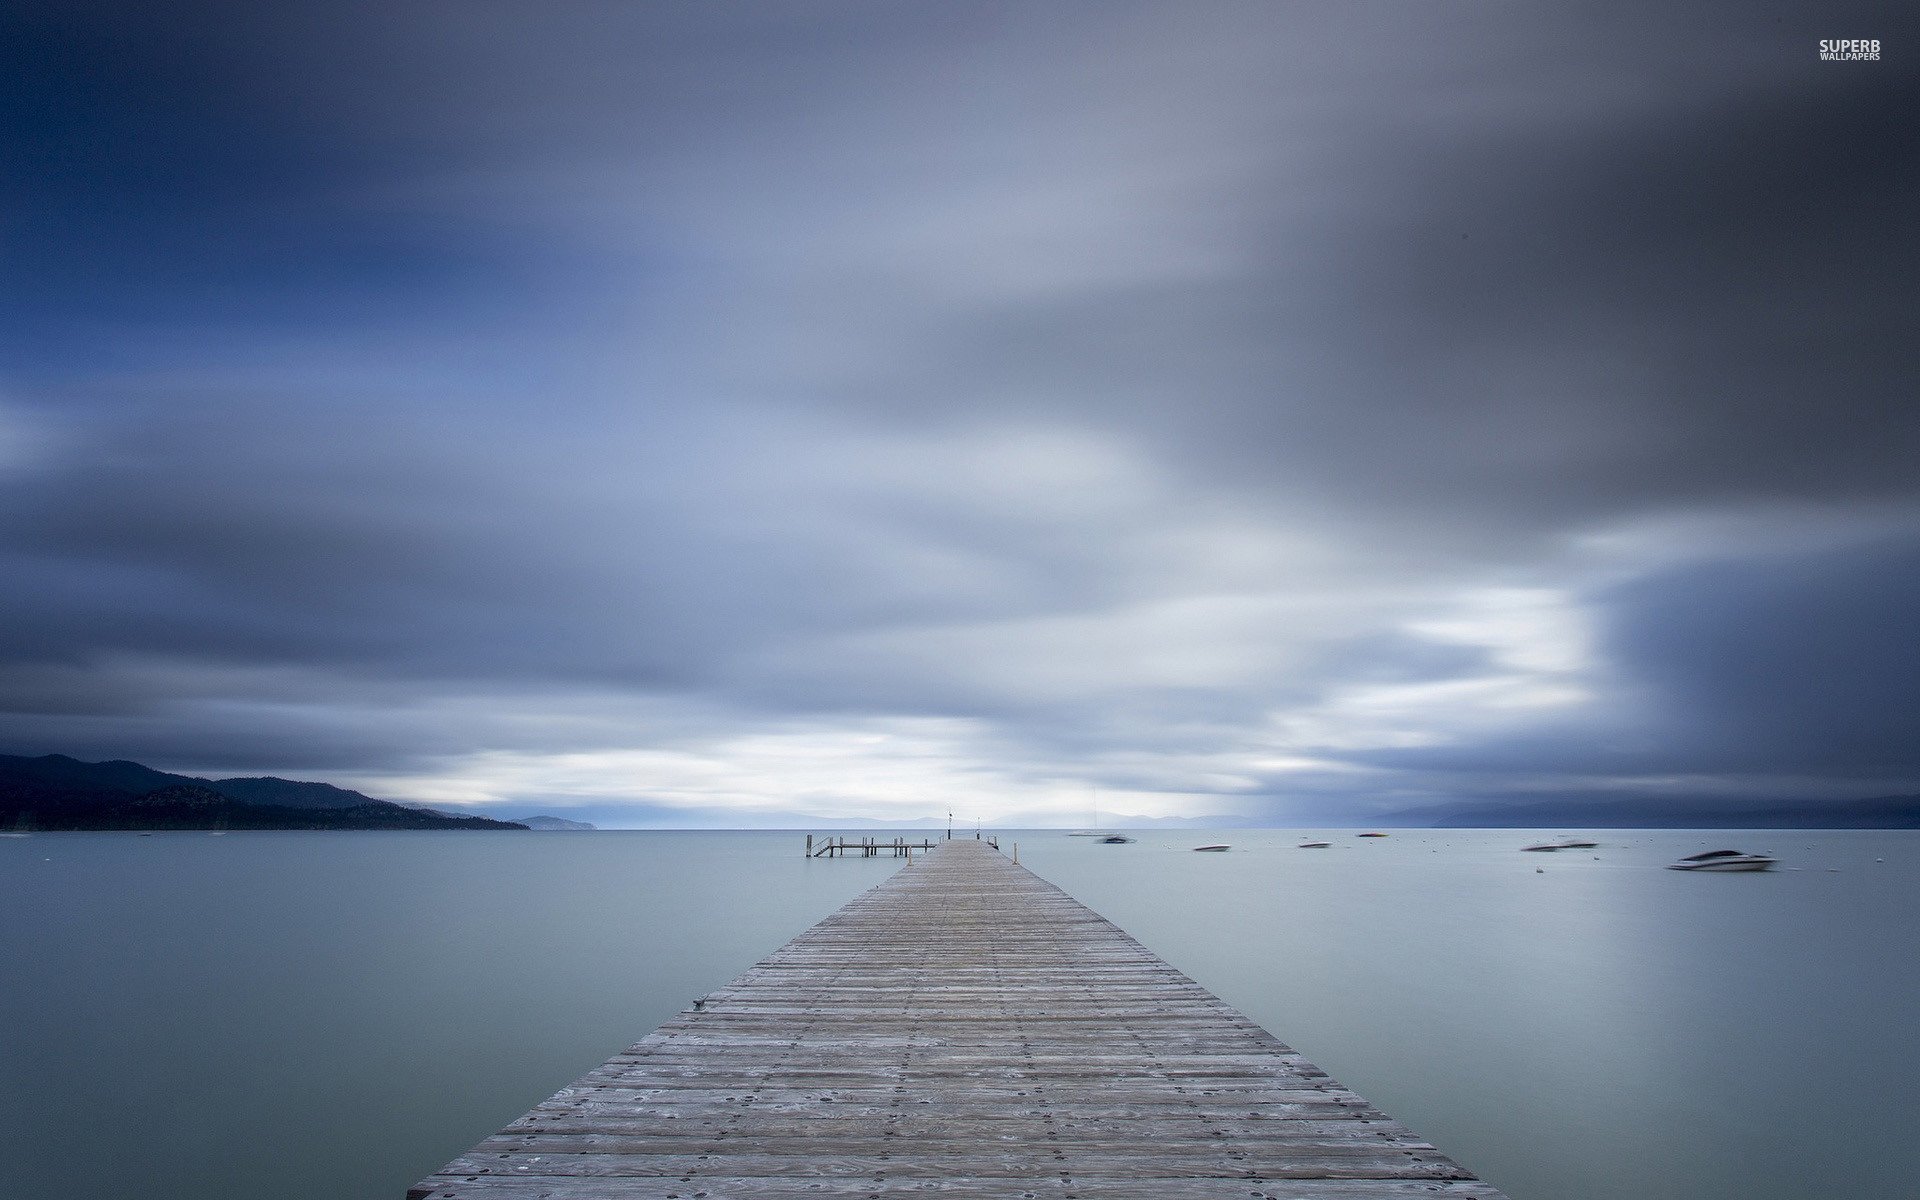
(329, 1016)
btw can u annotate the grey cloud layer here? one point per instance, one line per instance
(1249, 403)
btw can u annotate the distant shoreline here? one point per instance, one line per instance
(57, 794)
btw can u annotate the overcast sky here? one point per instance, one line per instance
(709, 411)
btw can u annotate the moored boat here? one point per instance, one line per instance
(1723, 860)
(1213, 849)
(1314, 845)
(1566, 844)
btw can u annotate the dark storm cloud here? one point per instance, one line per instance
(1796, 664)
(1678, 311)
(1485, 326)
(1799, 664)
(1250, 406)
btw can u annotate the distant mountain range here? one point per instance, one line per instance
(556, 825)
(1880, 812)
(55, 792)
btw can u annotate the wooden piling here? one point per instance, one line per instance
(836, 846)
(964, 1030)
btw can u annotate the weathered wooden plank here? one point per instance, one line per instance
(820, 1161)
(880, 1137)
(978, 1104)
(768, 1091)
(554, 1187)
(963, 1030)
(938, 1124)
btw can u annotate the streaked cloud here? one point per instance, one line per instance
(857, 408)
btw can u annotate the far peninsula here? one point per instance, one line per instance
(54, 792)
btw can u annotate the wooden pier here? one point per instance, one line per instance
(832, 846)
(964, 1030)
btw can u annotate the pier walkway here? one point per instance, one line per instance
(964, 1030)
